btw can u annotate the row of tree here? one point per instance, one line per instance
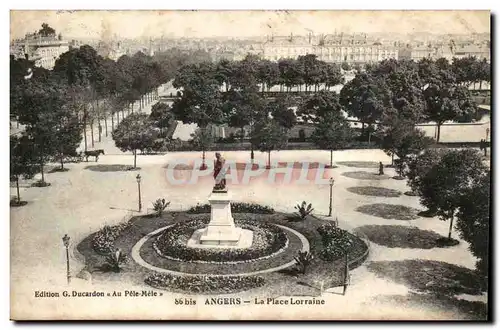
(57, 107)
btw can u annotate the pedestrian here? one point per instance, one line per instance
(381, 169)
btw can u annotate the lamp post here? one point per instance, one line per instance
(66, 245)
(138, 178)
(332, 181)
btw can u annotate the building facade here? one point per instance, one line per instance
(43, 50)
(353, 49)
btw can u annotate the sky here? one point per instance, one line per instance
(199, 24)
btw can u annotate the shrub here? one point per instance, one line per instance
(235, 208)
(115, 260)
(268, 239)
(204, 284)
(159, 206)
(303, 260)
(304, 209)
(103, 240)
(335, 241)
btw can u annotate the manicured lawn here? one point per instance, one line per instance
(374, 191)
(389, 211)
(400, 236)
(429, 276)
(363, 175)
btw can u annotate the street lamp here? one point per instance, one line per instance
(332, 181)
(138, 178)
(66, 245)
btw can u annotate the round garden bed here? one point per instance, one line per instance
(267, 267)
(268, 240)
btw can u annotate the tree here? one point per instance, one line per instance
(333, 132)
(268, 136)
(365, 97)
(473, 221)
(161, 115)
(403, 139)
(46, 31)
(443, 187)
(135, 132)
(22, 163)
(448, 102)
(280, 110)
(345, 66)
(203, 139)
(419, 166)
(319, 105)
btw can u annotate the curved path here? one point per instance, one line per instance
(135, 254)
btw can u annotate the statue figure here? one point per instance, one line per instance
(220, 180)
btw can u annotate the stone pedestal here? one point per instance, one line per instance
(221, 229)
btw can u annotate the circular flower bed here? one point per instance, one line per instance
(268, 240)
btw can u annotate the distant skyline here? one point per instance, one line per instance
(199, 24)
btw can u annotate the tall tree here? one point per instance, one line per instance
(404, 140)
(333, 132)
(135, 132)
(161, 115)
(444, 184)
(473, 221)
(268, 136)
(203, 140)
(446, 102)
(22, 164)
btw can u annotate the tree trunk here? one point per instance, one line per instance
(41, 169)
(331, 158)
(392, 159)
(85, 127)
(438, 132)
(117, 117)
(269, 158)
(62, 161)
(451, 227)
(112, 123)
(106, 125)
(18, 194)
(92, 132)
(135, 158)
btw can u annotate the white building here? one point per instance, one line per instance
(43, 50)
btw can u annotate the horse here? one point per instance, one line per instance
(94, 153)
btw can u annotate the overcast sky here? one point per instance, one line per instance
(133, 24)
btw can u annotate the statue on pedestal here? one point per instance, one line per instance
(220, 179)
